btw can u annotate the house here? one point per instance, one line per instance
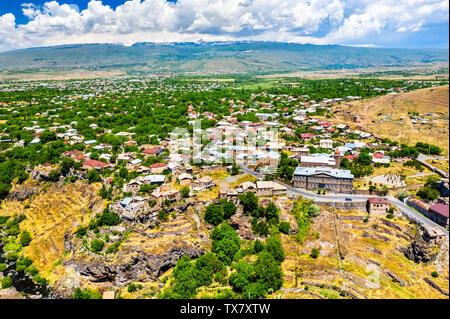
(185, 179)
(331, 179)
(155, 179)
(377, 205)
(134, 164)
(158, 168)
(202, 183)
(439, 214)
(161, 196)
(91, 164)
(248, 187)
(442, 186)
(132, 203)
(306, 136)
(153, 151)
(317, 160)
(269, 188)
(133, 185)
(327, 144)
(433, 234)
(418, 204)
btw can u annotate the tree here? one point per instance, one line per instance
(86, 294)
(214, 214)
(274, 247)
(258, 246)
(123, 172)
(271, 213)
(93, 176)
(249, 202)
(235, 169)
(54, 175)
(268, 272)
(205, 267)
(225, 243)
(229, 209)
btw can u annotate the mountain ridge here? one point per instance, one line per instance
(257, 57)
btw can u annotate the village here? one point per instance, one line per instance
(157, 144)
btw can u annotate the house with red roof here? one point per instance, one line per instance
(306, 136)
(152, 151)
(158, 168)
(91, 164)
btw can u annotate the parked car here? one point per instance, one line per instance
(348, 199)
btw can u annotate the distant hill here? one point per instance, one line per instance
(213, 57)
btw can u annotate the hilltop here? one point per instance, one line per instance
(212, 57)
(411, 117)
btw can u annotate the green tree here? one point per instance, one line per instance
(225, 243)
(214, 214)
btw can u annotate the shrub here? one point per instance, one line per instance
(434, 274)
(185, 192)
(390, 215)
(97, 245)
(6, 282)
(132, 288)
(284, 227)
(86, 294)
(315, 252)
(25, 238)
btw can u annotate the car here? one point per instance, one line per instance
(348, 199)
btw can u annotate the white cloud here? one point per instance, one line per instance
(313, 21)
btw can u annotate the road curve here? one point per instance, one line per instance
(410, 212)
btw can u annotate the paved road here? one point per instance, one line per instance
(419, 218)
(423, 159)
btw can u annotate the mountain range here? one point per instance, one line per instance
(213, 57)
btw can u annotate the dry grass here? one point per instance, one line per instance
(373, 114)
(51, 214)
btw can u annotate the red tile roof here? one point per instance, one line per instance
(440, 209)
(156, 165)
(378, 200)
(94, 163)
(151, 150)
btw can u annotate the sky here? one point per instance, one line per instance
(369, 23)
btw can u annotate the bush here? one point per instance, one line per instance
(132, 288)
(25, 238)
(315, 252)
(97, 245)
(390, 215)
(434, 274)
(185, 192)
(6, 282)
(86, 294)
(313, 211)
(163, 215)
(284, 227)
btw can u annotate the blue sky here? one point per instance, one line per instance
(378, 23)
